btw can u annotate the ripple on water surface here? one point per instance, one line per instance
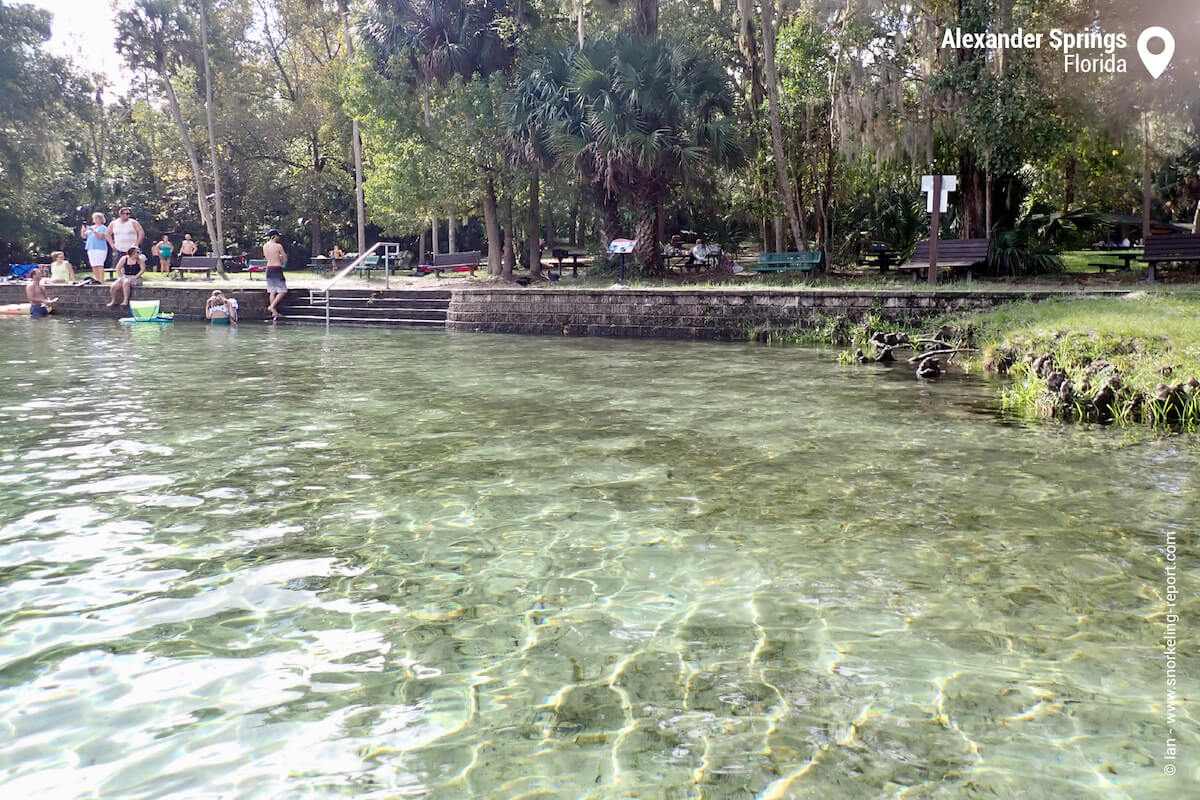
(280, 563)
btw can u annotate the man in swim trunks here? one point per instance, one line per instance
(39, 303)
(276, 256)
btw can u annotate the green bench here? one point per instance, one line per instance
(799, 261)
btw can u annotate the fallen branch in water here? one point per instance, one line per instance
(937, 353)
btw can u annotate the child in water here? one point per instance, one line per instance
(220, 310)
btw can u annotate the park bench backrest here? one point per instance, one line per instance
(953, 252)
(1173, 247)
(198, 262)
(470, 258)
(797, 257)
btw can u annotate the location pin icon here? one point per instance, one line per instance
(1156, 64)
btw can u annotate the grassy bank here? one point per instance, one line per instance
(1129, 359)
(1132, 359)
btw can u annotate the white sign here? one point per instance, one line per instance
(1156, 63)
(949, 184)
(622, 245)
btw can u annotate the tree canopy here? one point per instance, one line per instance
(500, 124)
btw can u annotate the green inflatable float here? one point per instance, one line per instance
(147, 311)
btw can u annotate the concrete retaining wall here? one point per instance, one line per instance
(187, 303)
(698, 314)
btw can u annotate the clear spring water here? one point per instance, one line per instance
(280, 563)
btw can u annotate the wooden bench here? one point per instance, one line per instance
(1179, 247)
(455, 262)
(205, 264)
(952, 253)
(798, 261)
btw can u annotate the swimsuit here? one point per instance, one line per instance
(275, 280)
(132, 268)
(38, 310)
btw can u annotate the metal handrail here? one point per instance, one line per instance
(389, 249)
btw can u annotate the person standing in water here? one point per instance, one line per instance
(125, 232)
(96, 236)
(276, 256)
(39, 303)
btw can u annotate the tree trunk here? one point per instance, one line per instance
(219, 244)
(492, 225)
(579, 21)
(551, 231)
(509, 260)
(1068, 197)
(451, 237)
(356, 139)
(437, 250)
(645, 251)
(749, 48)
(421, 248)
(780, 235)
(645, 19)
(972, 189)
(193, 159)
(535, 248)
(785, 188)
(1146, 184)
(610, 221)
(572, 238)
(660, 221)
(317, 247)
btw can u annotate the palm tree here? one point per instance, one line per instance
(641, 117)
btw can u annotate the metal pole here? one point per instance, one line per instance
(934, 224)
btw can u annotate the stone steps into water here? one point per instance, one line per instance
(399, 308)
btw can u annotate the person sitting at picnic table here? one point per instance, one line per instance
(1124, 242)
(700, 253)
(61, 270)
(220, 310)
(337, 252)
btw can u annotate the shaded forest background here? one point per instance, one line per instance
(492, 124)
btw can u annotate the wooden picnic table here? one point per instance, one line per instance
(1126, 255)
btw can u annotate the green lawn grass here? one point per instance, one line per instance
(1149, 338)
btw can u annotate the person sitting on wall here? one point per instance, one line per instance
(130, 269)
(61, 270)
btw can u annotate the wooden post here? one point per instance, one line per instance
(934, 224)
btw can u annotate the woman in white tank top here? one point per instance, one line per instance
(125, 232)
